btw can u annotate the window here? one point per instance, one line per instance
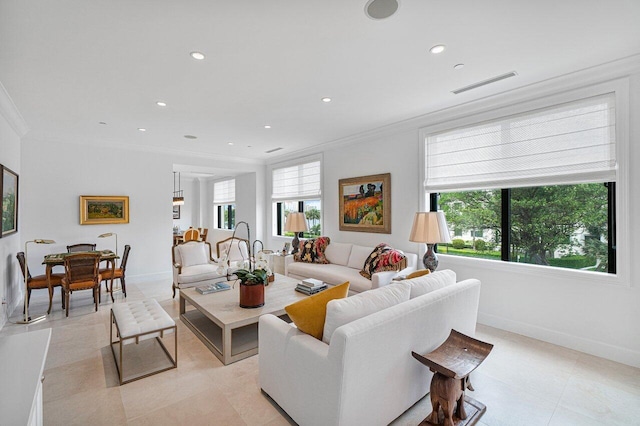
(224, 207)
(535, 188)
(296, 188)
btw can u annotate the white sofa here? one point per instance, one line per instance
(346, 262)
(366, 374)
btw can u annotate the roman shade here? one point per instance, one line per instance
(224, 192)
(573, 142)
(297, 182)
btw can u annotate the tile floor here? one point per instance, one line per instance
(522, 382)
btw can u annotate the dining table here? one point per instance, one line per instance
(57, 259)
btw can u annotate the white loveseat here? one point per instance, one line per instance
(366, 374)
(346, 262)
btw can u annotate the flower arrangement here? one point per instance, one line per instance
(259, 274)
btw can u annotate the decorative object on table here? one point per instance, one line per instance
(365, 203)
(253, 273)
(310, 286)
(99, 209)
(9, 185)
(176, 212)
(286, 249)
(110, 234)
(213, 288)
(27, 319)
(452, 362)
(296, 223)
(178, 196)
(430, 228)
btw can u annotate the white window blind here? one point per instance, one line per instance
(224, 192)
(568, 143)
(297, 182)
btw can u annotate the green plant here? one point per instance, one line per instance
(458, 243)
(255, 277)
(480, 245)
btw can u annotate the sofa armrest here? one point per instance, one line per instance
(178, 267)
(380, 279)
(287, 261)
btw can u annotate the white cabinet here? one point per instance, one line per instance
(22, 358)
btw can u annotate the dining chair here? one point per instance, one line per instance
(118, 273)
(191, 234)
(80, 247)
(203, 233)
(40, 281)
(81, 273)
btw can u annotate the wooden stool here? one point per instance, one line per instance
(452, 362)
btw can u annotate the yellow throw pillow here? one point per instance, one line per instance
(418, 273)
(308, 314)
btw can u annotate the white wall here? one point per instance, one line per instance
(190, 211)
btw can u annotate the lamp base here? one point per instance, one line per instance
(295, 244)
(31, 320)
(430, 258)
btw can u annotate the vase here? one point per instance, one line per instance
(251, 295)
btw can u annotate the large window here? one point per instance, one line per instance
(296, 188)
(224, 207)
(535, 188)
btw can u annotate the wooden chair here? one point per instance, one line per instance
(74, 248)
(118, 273)
(40, 281)
(81, 273)
(203, 233)
(190, 234)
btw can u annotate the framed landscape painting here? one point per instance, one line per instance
(365, 203)
(9, 184)
(99, 209)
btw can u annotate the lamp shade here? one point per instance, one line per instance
(296, 222)
(430, 228)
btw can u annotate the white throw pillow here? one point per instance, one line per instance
(193, 254)
(343, 311)
(430, 282)
(338, 253)
(358, 255)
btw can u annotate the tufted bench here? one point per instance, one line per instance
(140, 320)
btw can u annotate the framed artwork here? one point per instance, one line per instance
(9, 184)
(176, 212)
(365, 204)
(99, 209)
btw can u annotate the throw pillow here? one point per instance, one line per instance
(309, 313)
(383, 258)
(193, 254)
(431, 282)
(312, 251)
(418, 273)
(343, 311)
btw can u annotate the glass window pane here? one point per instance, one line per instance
(313, 213)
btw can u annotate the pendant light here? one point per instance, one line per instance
(178, 199)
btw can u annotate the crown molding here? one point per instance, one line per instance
(10, 113)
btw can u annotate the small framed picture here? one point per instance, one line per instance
(98, 209)
(287, 248)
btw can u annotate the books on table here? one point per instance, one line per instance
(212, 288)
(311, 286)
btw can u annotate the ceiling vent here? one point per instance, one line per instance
(380, 9)
(484, 83)
(273, 150)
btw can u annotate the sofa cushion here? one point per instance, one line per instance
(193, 254)
(338, 253)
(343, 311)
(431, 282)
(358, 255)
(383, 258)
(331, 274)
(197, 273)
(312, 251)
(309, 314)
(418, 273)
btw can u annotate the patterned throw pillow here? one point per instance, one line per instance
(383, 258)
(312, 251)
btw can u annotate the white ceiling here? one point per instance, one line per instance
(70, 64)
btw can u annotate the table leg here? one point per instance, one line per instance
(113, 270)
(48, 269)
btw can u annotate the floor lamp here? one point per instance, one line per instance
(296, 223)
(430, 228)
(27, 319)
(111, 234)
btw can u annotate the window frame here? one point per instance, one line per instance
(218, 213)
(621, 194)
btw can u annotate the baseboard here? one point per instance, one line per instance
(591, 347)
(144, 278)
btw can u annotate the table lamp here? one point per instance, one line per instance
(430, 228)
(27, 319)
(110, 234)
(296, 223)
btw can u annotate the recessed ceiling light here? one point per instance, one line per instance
(142, 129)
(458, 66)
(326, 99)
(197, 55)
(438, 48)
(229, 143)
(101, 122)
(161, 103)
(190, 137)
(267, 126)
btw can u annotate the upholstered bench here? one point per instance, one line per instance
(141, 320)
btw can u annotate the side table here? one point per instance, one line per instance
(277, 261)
(452, 362)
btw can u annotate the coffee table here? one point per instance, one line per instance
(229, 331)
